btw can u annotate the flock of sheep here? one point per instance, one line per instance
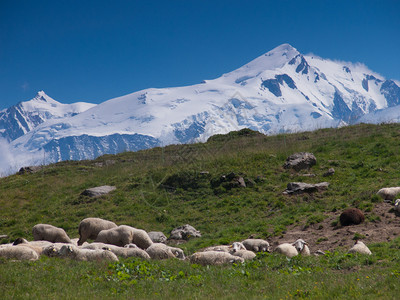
(112, 241)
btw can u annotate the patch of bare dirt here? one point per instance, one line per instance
(324, 236)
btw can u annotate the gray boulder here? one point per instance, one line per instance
(98, 191)
(157, 237)
(184, 233)
(300, 161)
(301, 187)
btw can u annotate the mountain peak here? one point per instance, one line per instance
(41, 95)
(274, 59)
(284, 48)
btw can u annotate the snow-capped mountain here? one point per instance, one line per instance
(25, 116)
(280, 91)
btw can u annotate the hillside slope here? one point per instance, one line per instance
(161, 188)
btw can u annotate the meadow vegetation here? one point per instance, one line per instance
(162, 188)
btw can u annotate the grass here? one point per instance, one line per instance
(334, 276)
(162, 188)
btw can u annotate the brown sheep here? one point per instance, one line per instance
(351, 216)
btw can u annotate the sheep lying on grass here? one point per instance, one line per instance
(119, 251)
(214, 258)
(360, 247)
(122, 235)
(245, 254)
(37, 246)
(301, 247)
(287, 249)
(50, 233)
(76, 253)
(19, 253)
(157, 237)
(256, 245)
(290, 250)
(89, 228)
(226, 248)
(220, 248)
(388, 193)
(53, 249)
(37, 249)
(162, 251)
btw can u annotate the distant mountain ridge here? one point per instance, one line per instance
(25, 116)
(280, 91)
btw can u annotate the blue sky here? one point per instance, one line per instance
(97, 50)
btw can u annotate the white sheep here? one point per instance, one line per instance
(162, 251)
(226, 248)
(287, 249)
(397, 205)
(360, 247)
(220, 248)
(119, 251)
(236, 246)
(5, 245)
(122, 235)
(301, 247)
(42, 244)
(214, 258)
(52, 249)
(76, 253)
(50, 233)
(245, 254)
(388, 193)
(18, 253)
(38, 246)
(89, 228)
(157, 237)
(256, 245)
(37, 249)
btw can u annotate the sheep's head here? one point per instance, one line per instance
(299, 244)
(236, 246)
(66, 250)
(264, 247)
(178, 253)
(20, 241)
(50, 251)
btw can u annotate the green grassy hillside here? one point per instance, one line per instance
(161, 188)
